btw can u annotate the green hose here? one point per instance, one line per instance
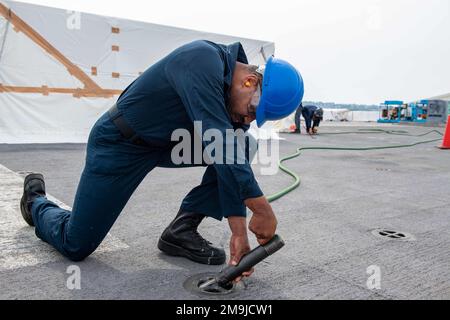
(296, 177)
(392, 132)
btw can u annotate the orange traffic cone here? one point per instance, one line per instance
(446, 142)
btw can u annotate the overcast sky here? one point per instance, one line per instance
(350, 51)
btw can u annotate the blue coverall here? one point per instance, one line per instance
(308, 113)
(190, 84)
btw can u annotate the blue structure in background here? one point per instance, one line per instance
(419, 111)
(398, 111)
(391, 112)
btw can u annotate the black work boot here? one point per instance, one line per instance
(182, 239)
(34, 187)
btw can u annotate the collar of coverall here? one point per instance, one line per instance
(236, 53)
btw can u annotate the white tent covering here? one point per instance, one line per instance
(445, 97)
(60, 70)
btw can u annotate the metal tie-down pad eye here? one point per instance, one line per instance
(204, 285)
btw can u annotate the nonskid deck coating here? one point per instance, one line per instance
(327, 225)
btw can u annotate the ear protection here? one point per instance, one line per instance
(248, 84)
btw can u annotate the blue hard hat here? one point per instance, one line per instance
(282, 91)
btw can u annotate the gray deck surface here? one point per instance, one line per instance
(327, 224)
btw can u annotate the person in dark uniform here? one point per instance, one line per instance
(298, 119)
(312, 115)
(316, 119)
(201, 82)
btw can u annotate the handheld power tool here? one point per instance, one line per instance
(225, 278)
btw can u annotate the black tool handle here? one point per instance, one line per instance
(250, 260)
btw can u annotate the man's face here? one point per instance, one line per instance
(244, 99)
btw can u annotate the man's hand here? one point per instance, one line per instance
(239, 245)
(263, 223)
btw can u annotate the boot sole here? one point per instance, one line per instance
(176, 251)
(23, 202)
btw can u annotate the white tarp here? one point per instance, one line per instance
(364, 116)
(345, 115)
(336, 115)
(60, 70)
(445, 97)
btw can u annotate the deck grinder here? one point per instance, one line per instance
(223, 281)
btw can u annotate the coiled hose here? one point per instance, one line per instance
(296, 177)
